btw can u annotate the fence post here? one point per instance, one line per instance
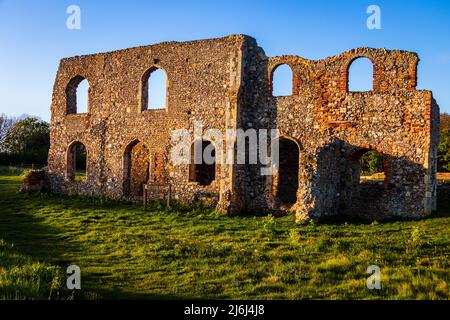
(32, 166)
(144, 197)
(169, 195)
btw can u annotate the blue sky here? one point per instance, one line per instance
(34, 37)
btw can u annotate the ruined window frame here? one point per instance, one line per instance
(347, 74)
(293, 79)
(144, 88)
(71, 96)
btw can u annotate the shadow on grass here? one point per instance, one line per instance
(443, 211)
(19, 226)
(22, 223)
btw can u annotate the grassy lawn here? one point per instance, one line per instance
(80, 175)
(126, 252)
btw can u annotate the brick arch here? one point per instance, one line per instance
(346, 69)
(276, 62)
(357, 152)
(143, 86)
(288, 137)
(132, 143)
(71, 94)
(285, 136)
(387, 76)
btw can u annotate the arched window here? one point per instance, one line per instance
(360, 75)
(282, 81)
(154, 89)
(203, 163)
(77, 96)
(76, 162)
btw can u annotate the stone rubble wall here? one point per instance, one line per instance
(226, 83)
(199, 89)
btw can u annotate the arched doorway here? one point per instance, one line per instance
(136, 168)
(203, 163)
(286, 179)
(76, 162)
(370, 175)
(365, 180)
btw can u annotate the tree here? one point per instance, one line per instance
(445, 122)
(444, 144)
(6, 124)
(371, 162)
(28, 141)
(444, 152)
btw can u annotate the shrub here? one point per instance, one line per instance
(4, 246)
(415, 241)
(294, 236)
(269, 224)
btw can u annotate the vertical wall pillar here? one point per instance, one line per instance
(229, 200)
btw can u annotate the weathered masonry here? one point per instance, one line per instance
(226, 83)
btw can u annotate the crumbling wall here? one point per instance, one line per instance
(139, 169)
(225, 84)
(393, 118)
(203, 85)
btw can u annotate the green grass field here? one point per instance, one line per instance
(126, 252)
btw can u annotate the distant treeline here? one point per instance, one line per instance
(23, 141)
(444, 144)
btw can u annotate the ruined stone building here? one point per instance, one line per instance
(226, 83)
